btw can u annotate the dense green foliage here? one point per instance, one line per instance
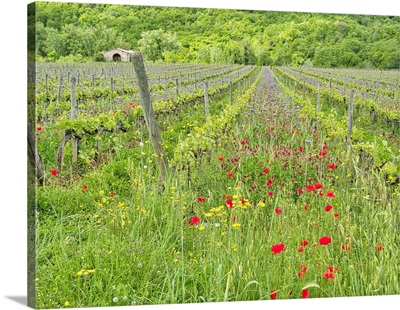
(81, 32)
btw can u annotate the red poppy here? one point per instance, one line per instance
(230, 174)
(345, 247)
(299, 191)
(221, 158)
(233, 218)
(277, 248)
(336, 215)
(328, 275)
(270, 194)
(229, 203)
(39, 128)
(201, 199)
(123, 111)
(328, 208)
(300, 250)
(318, 185)
(303, 267)
(330, 194)
(278, 210)
(300, 274)
(53, 172)
(305, 207)
(269, 183)
(304, 243)
(324, 240)
(305, 294)
(310, 188)
(379, 247)
(322, 153)
(332, 268)
(265, 170)
(243, 142)
(274, 294)
(194, 220)
(112, 194)
(332, 166)
(85, 187)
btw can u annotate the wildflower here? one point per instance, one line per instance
(300, 249)
(330, 194)
(300, 274)
(202, 227)
(328, 208)
(318, 185)
(303, 267)
(305, 207)
(112, 194)
(66, 304)
(243, 142)
(270, 194)
(194, 220)
(261, 204)
(115, 299)
(310, 188)
(379, 247)
(236, 225)
(336, 215)
(332, 166)
(304, 243)
(201, 199)
(324, 240)
(39, 128)
(229, 203)
(274, 294)
(277, 248)
(299, 191)
(345, 247)
(85, 187)
(269, 183)
(332, 268)
(305, 294)
(233, 218)
(328, 275)
(221, 158)
(322, 153)
(278, 210)
(265, 170)
(230, 174)
(53, 172)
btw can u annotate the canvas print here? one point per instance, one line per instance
(191, 155)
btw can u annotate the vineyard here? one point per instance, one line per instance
(280, 183)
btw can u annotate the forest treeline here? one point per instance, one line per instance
(82, 32)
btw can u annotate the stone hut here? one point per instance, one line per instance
(118, 54)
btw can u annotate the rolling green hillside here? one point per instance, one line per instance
(81, 32)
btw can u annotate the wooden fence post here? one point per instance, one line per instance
(350, 119)
(34, 157)
(231, 91)
(206, 100)
(149, 116)
(74, 108)
(59, 88)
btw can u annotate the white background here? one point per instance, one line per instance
(13, 146)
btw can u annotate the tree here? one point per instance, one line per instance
(156, 43)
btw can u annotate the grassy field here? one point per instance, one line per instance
(274, 209)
